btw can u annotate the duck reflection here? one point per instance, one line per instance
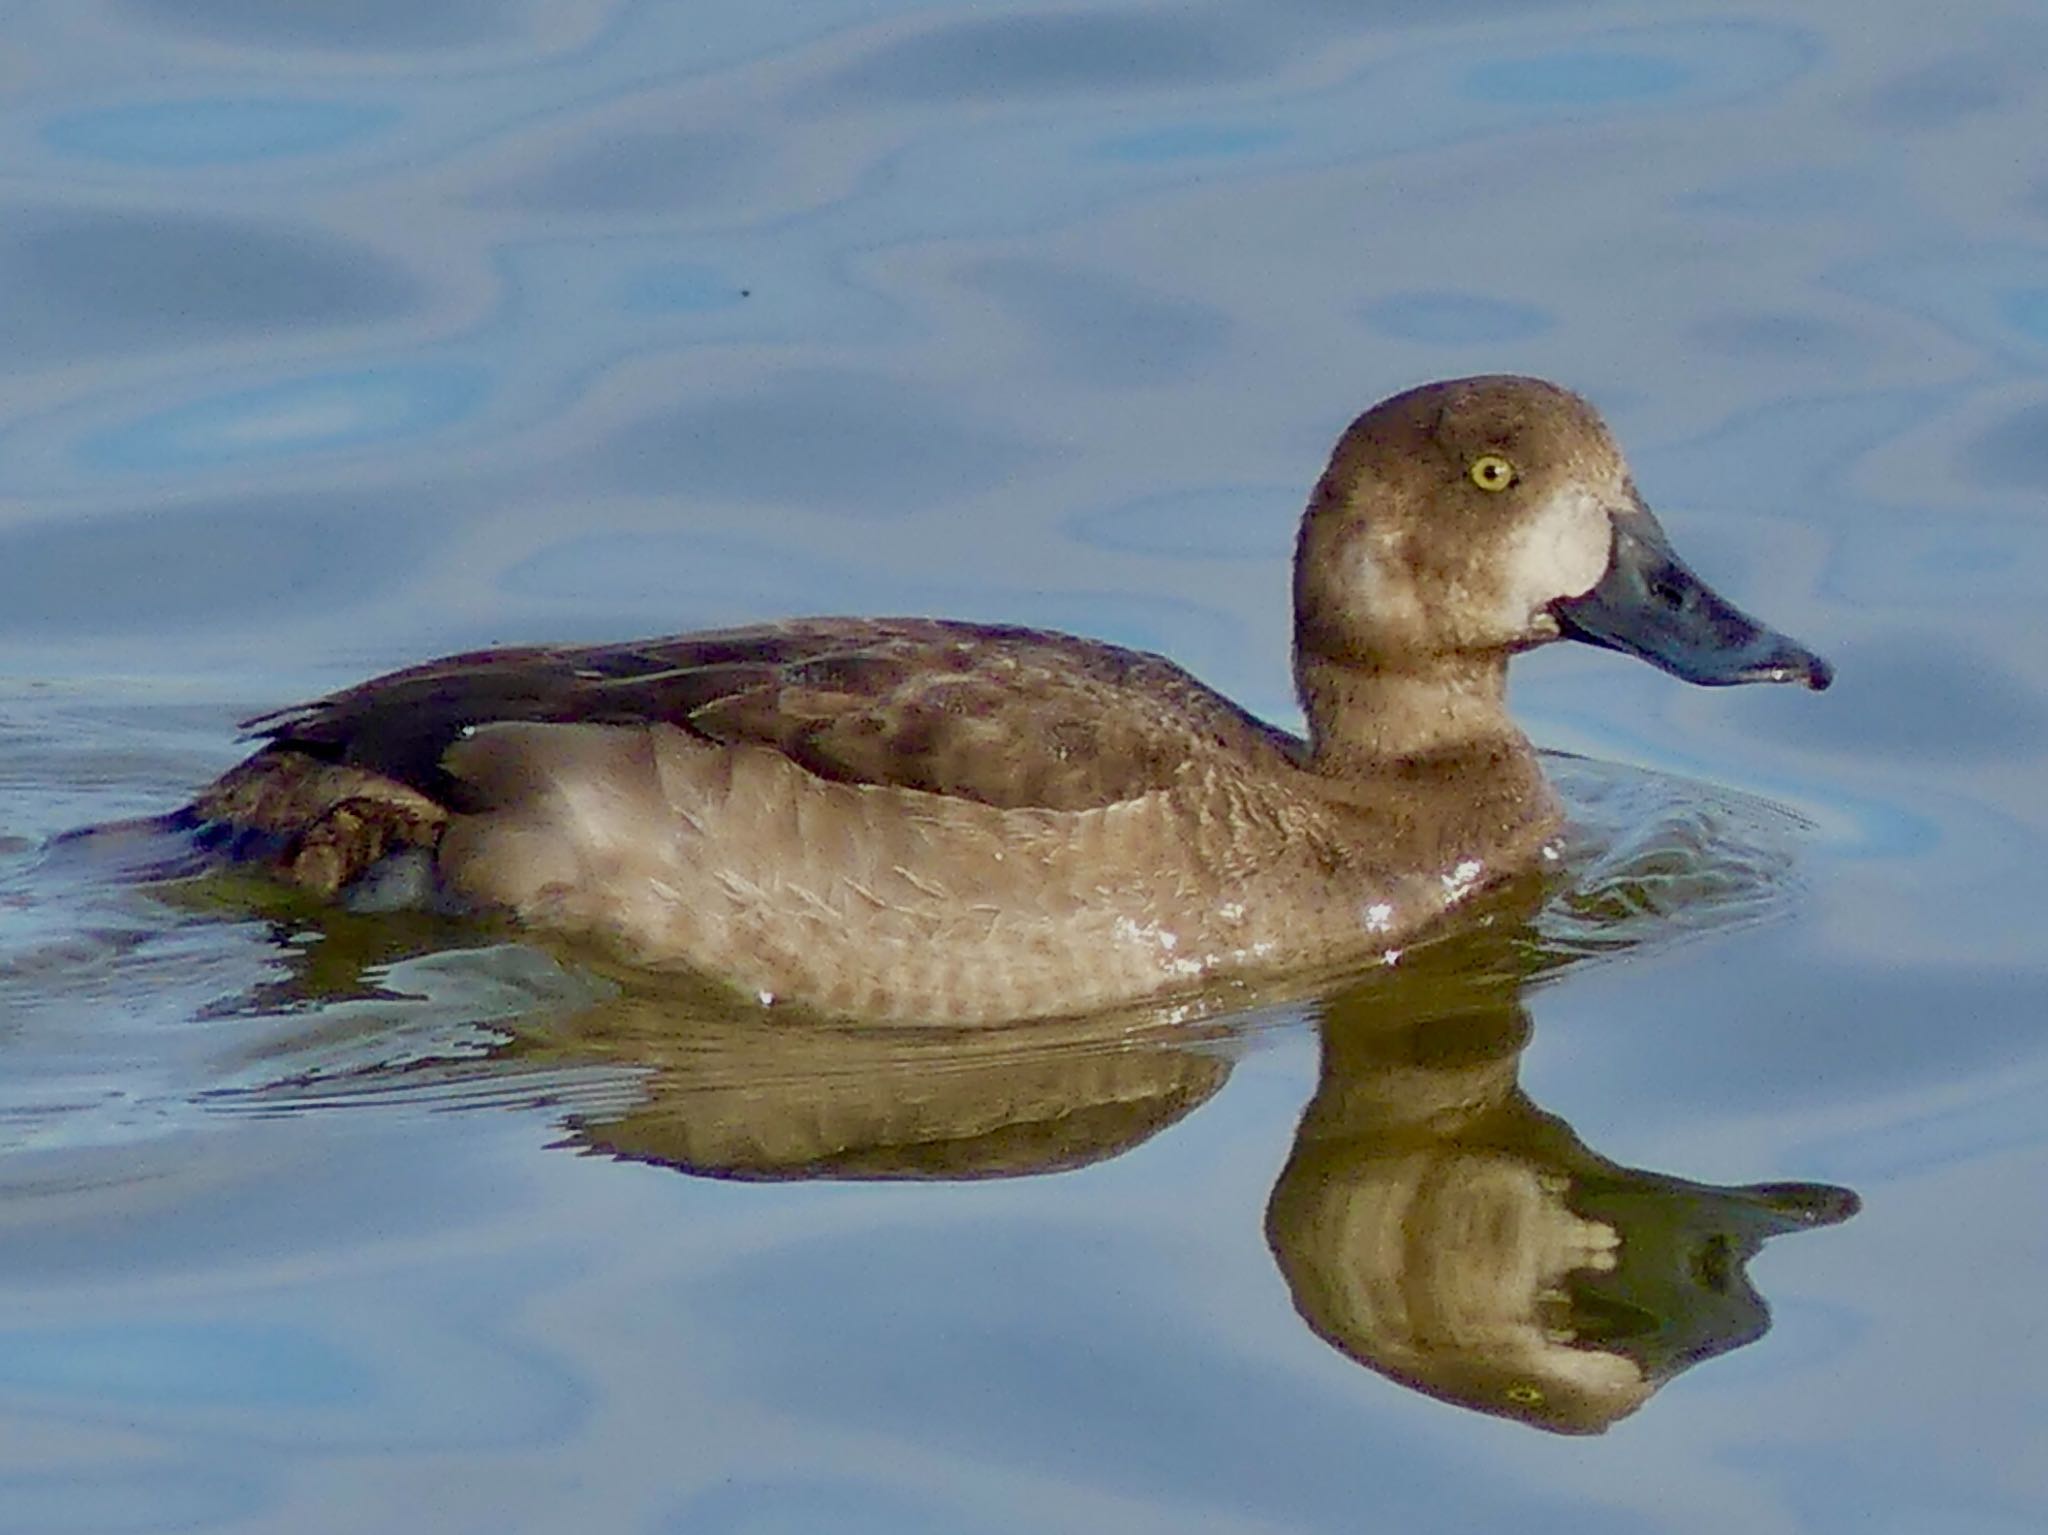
(731, 1096)
(1440, 1228)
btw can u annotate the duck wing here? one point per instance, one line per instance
(1006, 716)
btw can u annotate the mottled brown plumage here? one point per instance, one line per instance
(903, 702)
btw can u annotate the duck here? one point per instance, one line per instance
(913, 820)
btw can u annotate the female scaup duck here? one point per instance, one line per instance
(928, 821)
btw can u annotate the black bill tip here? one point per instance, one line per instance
(1812, 671)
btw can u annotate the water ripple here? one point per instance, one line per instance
(125, 282)
(222, 130)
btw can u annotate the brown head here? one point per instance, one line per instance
(1464, 521)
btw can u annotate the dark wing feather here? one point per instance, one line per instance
(1010, 717)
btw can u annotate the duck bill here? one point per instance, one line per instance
(1650, 604)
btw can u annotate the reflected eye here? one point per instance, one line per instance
(1490, 471)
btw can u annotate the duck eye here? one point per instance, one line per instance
(1490, 471)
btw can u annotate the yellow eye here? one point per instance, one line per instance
(1490, 471)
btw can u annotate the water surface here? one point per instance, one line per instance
(342, 335)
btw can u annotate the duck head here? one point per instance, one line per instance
(1464, 521)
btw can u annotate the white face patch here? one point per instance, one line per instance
(1560, 551)
(1387, 590)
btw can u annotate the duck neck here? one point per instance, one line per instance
(1367, 716)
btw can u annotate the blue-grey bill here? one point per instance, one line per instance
(1651, 604)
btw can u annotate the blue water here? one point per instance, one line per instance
(341, 335)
